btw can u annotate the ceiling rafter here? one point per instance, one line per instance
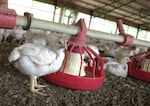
(92, 2)
(113, 7)
(132, 12)
(140, 15)
(121, 5)
(122, 15)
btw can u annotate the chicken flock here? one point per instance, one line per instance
(42, 52)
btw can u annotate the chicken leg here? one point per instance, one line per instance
(34, 87)
(38, 85)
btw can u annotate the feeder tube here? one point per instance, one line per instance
(72, 30)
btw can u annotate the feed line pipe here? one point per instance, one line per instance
(72, 30)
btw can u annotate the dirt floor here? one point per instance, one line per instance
(116, 91)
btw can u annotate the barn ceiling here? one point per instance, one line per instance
(133, 12)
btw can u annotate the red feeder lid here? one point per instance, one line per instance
(80, 38)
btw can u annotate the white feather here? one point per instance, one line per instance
(118, 68)
(38, 63)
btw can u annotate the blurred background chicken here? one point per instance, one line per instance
(118, 68)
(19, 35)
(4, 34)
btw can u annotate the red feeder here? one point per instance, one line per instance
(128, 39)
(140, 66)
(75, 73)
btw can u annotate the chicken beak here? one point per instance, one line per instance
(63, 44)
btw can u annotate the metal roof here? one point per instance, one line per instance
(133, 12)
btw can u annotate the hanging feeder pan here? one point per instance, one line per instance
(74, 73)
(134, 71)
(77, 82)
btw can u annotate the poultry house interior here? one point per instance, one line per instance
(28, 53)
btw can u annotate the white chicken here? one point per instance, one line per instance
(7, 33)
(49, 39)
(110, 49)
(19, 34)
(4, 34)
(36, 38)
(118, 68)
(35, 61)
(57, 37)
